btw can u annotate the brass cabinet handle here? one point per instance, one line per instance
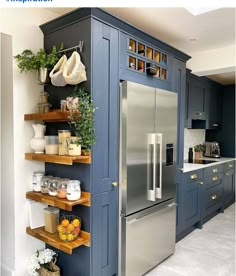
(200, 183)
(215, 125)
(227, 174)
(193, 176)
(213, 197)
(230, 166)
(114, 184)
(199, 113)
(214, 178)
(215, 170)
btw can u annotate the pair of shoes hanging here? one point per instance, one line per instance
(68, 71)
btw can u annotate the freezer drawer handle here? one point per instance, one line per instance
(159, 189)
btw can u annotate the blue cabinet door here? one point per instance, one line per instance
(229, 187)
(105, 234)
(191, 204)
(105, 93)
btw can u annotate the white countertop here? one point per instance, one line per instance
(191, 167)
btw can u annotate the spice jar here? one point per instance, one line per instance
(73, 190)
(62, 188)
(40, 108)
(43, 98)
(52, 190)
(51, 217)
(36, 181)
(63, 105)
(45, 184)
(62, 137)
(46, 107)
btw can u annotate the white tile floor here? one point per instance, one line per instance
(206, 252)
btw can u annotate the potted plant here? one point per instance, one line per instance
(43, 263)
(199, 149)
(82, 118)
(41, 62)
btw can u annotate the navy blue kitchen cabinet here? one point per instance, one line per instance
(225, 135)
(107, 57)
(191, 198)
(203, 103)
(229, 184)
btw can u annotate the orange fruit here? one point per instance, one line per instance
(65, 222)
(70, 237)
(76, 222)
(76, 230)
(63, 237)
(70, 227)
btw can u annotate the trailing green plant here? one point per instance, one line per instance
(82, 117)
(28, 61)
(199, 148)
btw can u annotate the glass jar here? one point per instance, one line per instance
(63, 105)
(43, 98)
(40, 108)
(51, 144)
(62, 137)
(52, 190)
(36, 181)
(62, 188)
(46, 107)
(73, 190)
(45, 184)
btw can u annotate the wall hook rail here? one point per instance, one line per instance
(79, 46)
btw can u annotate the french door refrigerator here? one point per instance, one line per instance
(147, 176)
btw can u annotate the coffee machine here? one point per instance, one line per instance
(212, 149)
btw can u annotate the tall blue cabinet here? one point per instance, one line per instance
(106, 57)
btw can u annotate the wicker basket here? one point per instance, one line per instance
(45, 272)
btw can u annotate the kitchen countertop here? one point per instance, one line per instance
(191, 167)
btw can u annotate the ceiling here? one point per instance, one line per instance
(206, 33)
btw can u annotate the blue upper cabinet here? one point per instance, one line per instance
(105, 93)
(202, 103)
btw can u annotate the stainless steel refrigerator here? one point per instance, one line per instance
(147, 176)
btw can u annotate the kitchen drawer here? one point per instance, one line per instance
(213, 199)
(229, 165)
(213, 180)
(193, 176)
(213, 170)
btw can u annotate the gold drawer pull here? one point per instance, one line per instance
(200, 183)
(213, 197)
(199, 113)
(214, 178)
(215, 170)
(230, 166)
(227, 174)
(193, 176)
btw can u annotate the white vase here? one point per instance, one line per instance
(38, 142)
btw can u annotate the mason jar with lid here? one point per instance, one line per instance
(73, 190)
(36, 181)
(45, 184)
(62, 188)
(52, 190)
(62, 137)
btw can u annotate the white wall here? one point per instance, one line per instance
(192, 137)
(22, 25)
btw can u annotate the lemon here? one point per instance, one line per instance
(76, 222)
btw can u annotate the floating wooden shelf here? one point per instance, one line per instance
(58, 159)
(53, 240)
(59, 202)
(54, 116)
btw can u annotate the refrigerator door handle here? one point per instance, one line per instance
(151, 170)
(159, 169)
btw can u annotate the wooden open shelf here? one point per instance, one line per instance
(60, 202)
(58, 159)
(53, 116)
(53, 240)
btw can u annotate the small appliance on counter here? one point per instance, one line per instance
(212, 149)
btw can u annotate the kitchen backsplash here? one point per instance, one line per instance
(192, 137)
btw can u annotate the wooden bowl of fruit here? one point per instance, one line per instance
(69, 228)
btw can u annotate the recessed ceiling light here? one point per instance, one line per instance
(200, 10)
(193, 39)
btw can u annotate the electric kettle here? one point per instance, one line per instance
(212, 149)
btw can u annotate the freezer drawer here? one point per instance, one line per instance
(148, 237)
